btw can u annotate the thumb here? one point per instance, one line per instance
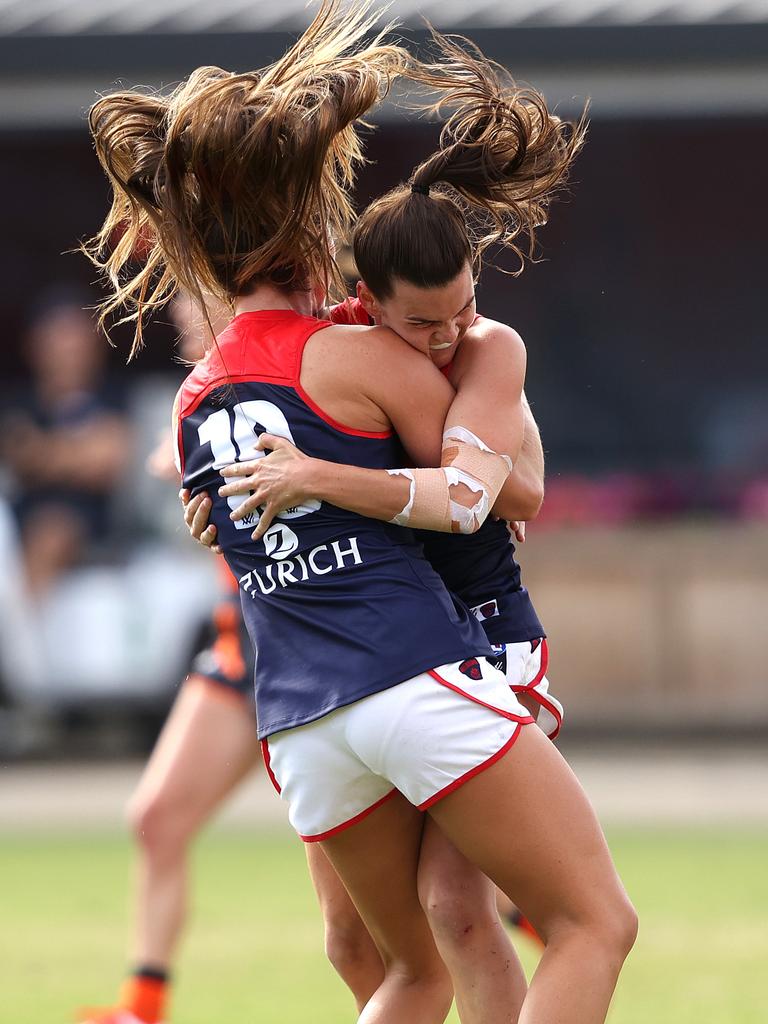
(271, 441)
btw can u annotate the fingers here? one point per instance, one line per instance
(267, 515)
(199, 524)
(208, 537)
(191, 506)
(272, 442)
(196, 513)
(241, 468)
(243, 485)
(250, 505)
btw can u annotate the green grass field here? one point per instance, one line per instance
(253, 954)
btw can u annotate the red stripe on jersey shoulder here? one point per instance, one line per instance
(271, 355)
(341, 427)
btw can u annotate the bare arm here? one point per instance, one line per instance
(491, 378)
(523, 492)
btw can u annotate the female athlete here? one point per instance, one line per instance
(478, 357)
(367, 671)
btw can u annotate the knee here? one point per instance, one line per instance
(612, 928)
(155, 826)
(622, 926)
(428, 983)
(349, 947)
(455, 915)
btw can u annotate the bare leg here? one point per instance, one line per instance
(460, 904)
(377, 860)
(206, 747)
(348, 945)
(528, 825)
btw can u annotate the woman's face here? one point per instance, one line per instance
(432, 320)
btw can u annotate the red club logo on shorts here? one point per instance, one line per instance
(471, 668)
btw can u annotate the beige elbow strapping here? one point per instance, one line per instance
(457, 497)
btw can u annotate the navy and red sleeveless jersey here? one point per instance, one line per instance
(480, 567)
(338, 606)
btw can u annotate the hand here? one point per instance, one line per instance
(196, 513)
(160, 461)
(517, 529)
(274, 482)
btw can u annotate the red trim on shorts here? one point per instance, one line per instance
(530, 690)
(267, 764)
(474, 771)
(542, 700)
(217, 689)
(544, 664)
(526, 720)
(352, 821)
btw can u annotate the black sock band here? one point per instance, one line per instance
(151, 974)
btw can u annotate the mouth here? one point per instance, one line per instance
(437, 348)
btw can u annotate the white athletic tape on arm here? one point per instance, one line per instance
(457, 497)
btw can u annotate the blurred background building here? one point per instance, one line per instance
(644, 322)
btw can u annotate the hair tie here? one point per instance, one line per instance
(423, 190)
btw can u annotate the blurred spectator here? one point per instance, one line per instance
(65, 442)
(196, 335)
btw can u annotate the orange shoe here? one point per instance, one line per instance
(142, 1001)
(111, 1015)
(518, 920)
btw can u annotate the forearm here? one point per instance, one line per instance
(455, 498)
(523, 492)
(369, 492)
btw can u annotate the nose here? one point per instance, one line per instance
(446, 333)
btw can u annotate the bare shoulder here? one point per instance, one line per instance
(363, 352)
(351, 371)
(490, 347)
(356, 343)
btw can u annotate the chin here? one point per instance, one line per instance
(442, 356)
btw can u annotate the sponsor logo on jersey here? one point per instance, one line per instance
(471, 668)
(280, 541)
(321, 560)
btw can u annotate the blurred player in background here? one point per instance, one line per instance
(66, 442)
(207, 746)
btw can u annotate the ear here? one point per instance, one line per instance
(368, 301)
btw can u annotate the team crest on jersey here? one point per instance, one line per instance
(487, 610)
(471, 668)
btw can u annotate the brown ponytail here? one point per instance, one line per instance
(251, 175)
(502, 158)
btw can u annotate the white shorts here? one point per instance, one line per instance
(526, 671)
(424, 738)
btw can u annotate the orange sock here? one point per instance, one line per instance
(144, 997)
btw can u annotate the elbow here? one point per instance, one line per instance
(533, 500)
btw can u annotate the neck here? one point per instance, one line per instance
(268, 296)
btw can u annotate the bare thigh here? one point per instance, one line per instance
(449, 883)
(377, 860)
(527, 823)
(335, 902)
(207, 745)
